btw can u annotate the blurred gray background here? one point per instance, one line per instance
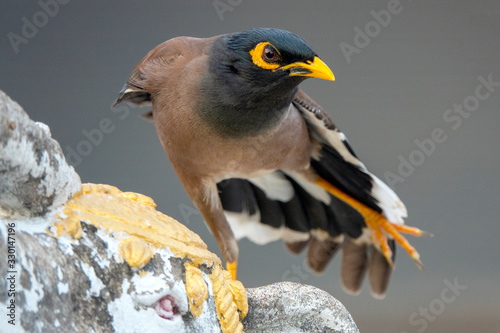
(397, 87)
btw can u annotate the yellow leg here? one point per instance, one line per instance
(377, 223)
(232, 267)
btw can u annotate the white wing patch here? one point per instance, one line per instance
(393, 208)
(336, 139)
(246, 225)
(275, 186)
(249, 226)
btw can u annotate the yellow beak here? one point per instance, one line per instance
(316, 68)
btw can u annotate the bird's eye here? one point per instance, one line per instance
(265, 56)
(269, 54)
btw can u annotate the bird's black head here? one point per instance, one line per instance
(258, 69)
(267, 55)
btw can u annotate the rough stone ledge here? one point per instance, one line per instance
(34, 175)
(293, 307)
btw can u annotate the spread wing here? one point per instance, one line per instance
(288, 206)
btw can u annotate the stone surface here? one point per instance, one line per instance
(67, 285)
(293, 308)
(34, 175)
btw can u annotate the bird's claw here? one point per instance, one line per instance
(380, 226)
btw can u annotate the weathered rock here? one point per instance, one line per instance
(109, 262)
(34, 175)
(292, 307)
(66, 285)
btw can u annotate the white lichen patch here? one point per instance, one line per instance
(36, 225)
(65, 244)
(62, 288)
(3, 230)
(35, 293)
(60, 275)
(113, 245)
(100, 258)
(96, 284)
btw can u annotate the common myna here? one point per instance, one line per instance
(261, 159)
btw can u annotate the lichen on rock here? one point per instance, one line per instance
(141, 231)
(34, 175)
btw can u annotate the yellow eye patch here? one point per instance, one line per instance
(257, 59)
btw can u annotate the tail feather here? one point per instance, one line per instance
(321, 252)
(354, 264)
(296, 247)
(380, 271)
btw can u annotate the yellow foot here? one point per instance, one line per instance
(379, 225)
(232, 267)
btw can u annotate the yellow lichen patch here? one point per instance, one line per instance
(71, 225)
(227, 310)
(196, 289)
(139, 198)
(107, 207)
(99, 188)
(239, 293)
(136, 251)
